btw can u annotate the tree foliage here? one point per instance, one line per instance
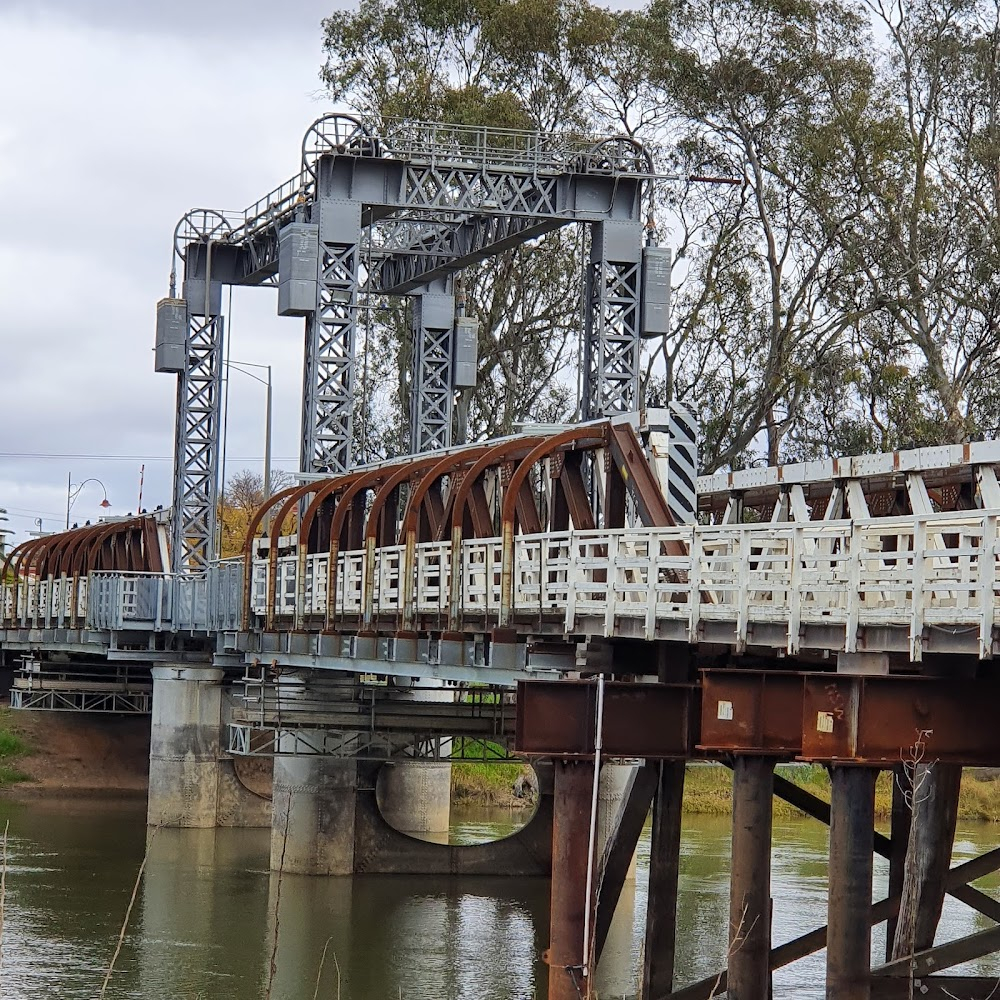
(842, 296)
(243, 495)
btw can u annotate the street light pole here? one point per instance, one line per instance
(72, 494)
(267, 439)
(240, 366)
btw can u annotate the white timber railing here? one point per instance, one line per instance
(933, 571)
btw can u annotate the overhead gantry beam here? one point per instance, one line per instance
(391, 214)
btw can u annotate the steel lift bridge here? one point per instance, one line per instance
(840, 612)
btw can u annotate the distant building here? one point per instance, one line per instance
(4, 531)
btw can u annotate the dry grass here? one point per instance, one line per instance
(708, 792)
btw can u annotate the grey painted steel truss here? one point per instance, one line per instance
(397, 211)
(196, 446)
(432, 394)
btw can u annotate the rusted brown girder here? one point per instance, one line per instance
(827, 718)
(558, 719)
(248, 546)
(881, 719)
(844, 718)
(628, 454)
(416, 468)
(752, 712)
(128, 546)
(513, 500)
(422, 497)
(466, 495)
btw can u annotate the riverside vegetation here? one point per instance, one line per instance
(12, 747)
(708, 789)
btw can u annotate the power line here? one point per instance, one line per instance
(49, 456)
(28, 512)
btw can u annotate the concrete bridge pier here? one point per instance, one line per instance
(312, 826)
(414, 794)
(192, 782)
(614, 976)
(185, 746)
(414, 797)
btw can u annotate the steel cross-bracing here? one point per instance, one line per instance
(196, 446)
(432, 393)
(331, 332)
(397, 210)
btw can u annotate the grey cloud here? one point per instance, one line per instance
(193, 20)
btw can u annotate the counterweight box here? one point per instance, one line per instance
(656, 266)
(298, 269)
(171, 334)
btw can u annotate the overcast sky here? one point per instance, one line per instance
(116, 117)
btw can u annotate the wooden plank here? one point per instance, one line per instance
(943, 956)
(900, 836)
(928, 855)
(664, 868)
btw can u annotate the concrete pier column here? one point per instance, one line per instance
(612, 785)
(749, 975)
(313, 795)
(852, 822)
(312, 825)
(616, 975)
(414, 797)
(185, 746)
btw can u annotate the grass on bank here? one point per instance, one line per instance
(474, 780)
(708, 788)
(708, 791)
(12, 747)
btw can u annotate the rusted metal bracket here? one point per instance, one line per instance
(655, 721)
(833, 718)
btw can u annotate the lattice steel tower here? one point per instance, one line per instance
(398, 213)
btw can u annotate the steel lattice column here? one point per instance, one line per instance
(196, 445)
(432, 396)
(331, 331)
(611, 348)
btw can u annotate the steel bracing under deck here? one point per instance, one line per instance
(394, 211)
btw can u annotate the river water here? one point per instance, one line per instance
(208, 913)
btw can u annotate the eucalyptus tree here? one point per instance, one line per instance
(504, 64)
(756, 91)
(929, 241)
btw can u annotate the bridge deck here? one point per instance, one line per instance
(906, 585)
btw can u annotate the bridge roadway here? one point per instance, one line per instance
(851, 622)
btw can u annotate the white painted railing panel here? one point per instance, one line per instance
(432, 586)
(936, 571)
